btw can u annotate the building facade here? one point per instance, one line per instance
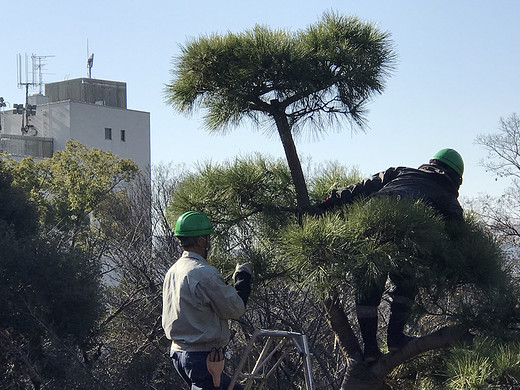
(90, 111)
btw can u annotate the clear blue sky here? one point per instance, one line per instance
(457, 72)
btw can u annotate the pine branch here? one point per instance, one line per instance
(442, 338)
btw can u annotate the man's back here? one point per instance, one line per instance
(428, 183)
(197, 304)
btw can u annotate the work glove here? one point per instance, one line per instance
(246, 267)
(242, 279)
(329, 203)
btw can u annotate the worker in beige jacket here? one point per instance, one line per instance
(197, 304)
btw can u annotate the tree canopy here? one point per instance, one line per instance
(50, 297)
(50, 263)
(318, 77)
(70, 188)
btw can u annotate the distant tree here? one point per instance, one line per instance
(70, 188)
(50, 300)
(139, 245)
(51, 256)
(304, 81)
(503, 213)
(84, 246)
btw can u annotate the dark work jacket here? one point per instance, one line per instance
(430, 183)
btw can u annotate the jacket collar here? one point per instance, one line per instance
(193, 255)
(451, 182)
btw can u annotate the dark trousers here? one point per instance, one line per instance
(191, 366)
(368, 299)
(405, 287)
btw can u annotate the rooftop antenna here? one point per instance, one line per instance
(38, 64)
(36, 80)
(90, 62)
(21, 80)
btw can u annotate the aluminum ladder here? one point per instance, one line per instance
(285, 342)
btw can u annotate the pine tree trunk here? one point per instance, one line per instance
(359, 376)
(340, 325)
(284, 130)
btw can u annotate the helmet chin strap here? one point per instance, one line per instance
(207, 247)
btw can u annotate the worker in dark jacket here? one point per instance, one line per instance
(437, 184)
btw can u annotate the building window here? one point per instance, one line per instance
(108, 133)
(123, 135)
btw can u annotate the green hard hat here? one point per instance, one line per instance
(451, 158)
(193, 223)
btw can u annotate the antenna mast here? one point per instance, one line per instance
(37, 66)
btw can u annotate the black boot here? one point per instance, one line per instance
(367, 319)
(400, 312)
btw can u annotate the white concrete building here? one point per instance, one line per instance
(90, 111)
